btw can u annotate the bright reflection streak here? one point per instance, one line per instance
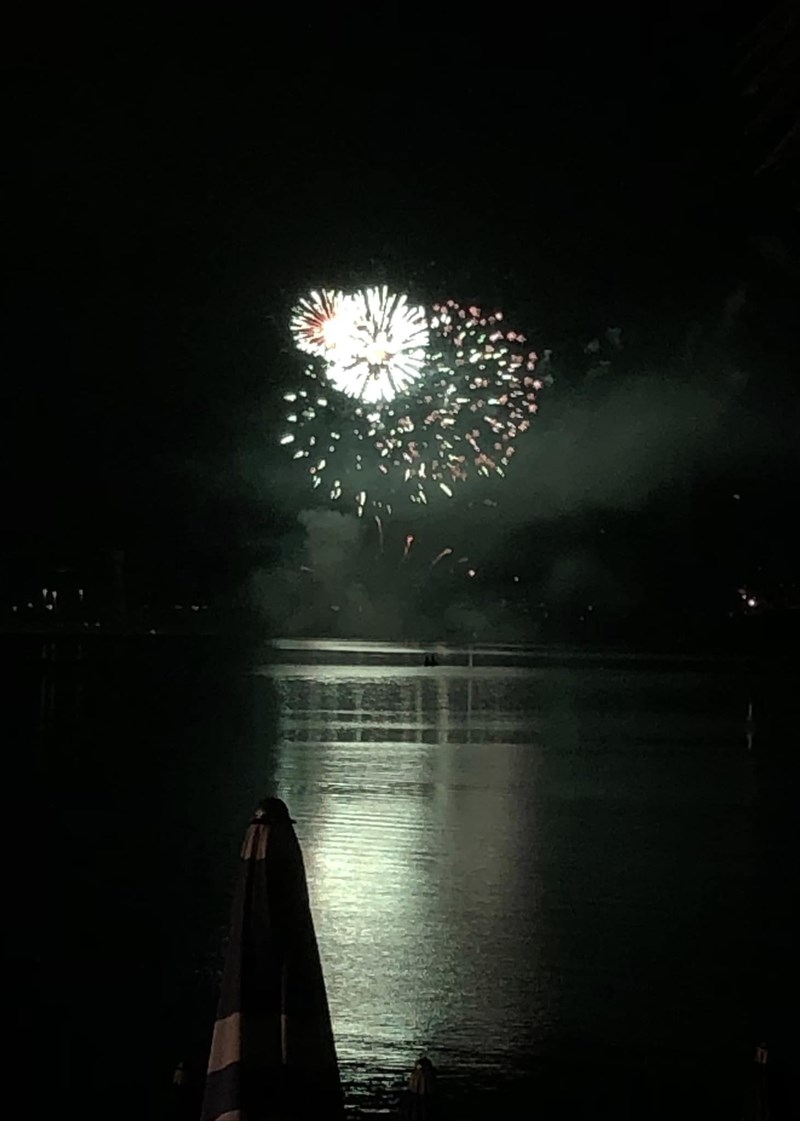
(399, 780)
(470, 859)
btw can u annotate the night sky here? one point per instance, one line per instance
(172, 197)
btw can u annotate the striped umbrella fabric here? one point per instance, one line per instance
(272, 1050)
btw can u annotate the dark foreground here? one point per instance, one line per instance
(592, 1083)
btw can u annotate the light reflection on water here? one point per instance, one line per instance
(499, 858)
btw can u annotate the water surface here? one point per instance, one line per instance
(508, 863)
(501, 857)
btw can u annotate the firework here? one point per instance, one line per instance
(482, 396)
(320, 323)
(374, 344)
(385, 348)
(400, 403)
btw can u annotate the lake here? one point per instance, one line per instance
(534, 866)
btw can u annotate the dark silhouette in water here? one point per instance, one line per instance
(421, 1089)
(430, 660)
(749, 726)
(184, 1106)
(272, 1052)
(757, 1106)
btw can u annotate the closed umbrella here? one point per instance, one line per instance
(272, 1051)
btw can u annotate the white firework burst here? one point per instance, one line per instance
(320, 323)
(384, 351)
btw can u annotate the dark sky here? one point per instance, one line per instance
(171, 199)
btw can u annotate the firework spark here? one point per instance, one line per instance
(440, 556)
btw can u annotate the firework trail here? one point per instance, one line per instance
(440, 556)
(379, 524)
